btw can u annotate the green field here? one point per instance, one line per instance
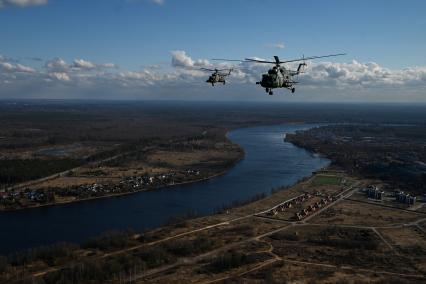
(320, 180)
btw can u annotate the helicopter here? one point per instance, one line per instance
(217, 76)
(279, 76)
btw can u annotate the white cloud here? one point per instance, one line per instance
(363, 75)
(15, 68)
(181, 59)
(279, 45)
(59, 65)
(23, 68)
(6, 66)
(335, 78)
(56, 65)
(60, 76)
(158, 2)
(82, 64)
(88, 65)
(341, 75)
(21, 3)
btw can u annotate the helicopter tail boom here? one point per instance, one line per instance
(300, 68)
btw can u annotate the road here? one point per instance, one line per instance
(192, 260)
(66, 172)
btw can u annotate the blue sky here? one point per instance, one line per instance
(134, 34)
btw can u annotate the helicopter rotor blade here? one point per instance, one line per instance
(312, 57)
(222, 59)
(258, 61)
(215, 70)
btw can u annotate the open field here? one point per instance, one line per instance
(355, 213)
(50, 173)
(326, 180)
(394, 154)
(366, 242)
(342, 235)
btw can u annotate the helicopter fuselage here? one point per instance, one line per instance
(216, 78)
(278, 77)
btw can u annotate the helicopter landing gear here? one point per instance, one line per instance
(293, 90)
(212, 84)
(224, 82)
(267, 90)
(271, 93)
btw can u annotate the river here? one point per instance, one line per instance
(269, 163)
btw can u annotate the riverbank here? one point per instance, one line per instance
(181, 229)
(261, 239)
(271, 238)
(269, 163)
(159, 168)
(129, 193)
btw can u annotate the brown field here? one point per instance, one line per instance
(64, 182)
(363, 214)
(239, 246)
(408, 238)
(185, 159)
(296, 272)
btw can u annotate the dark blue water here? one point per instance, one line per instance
(269, 162)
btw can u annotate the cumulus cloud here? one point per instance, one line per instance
(363, 75)
(60, 65)
(342, 75)
(83, 64)
(23, 68)
(60, 76)
(88, 65)
(181, 59)
(21, 3)
(15, 68)
(56, 64)
(332, 77)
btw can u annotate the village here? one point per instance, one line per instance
(43, 196)
(306, 204)
(331, 223)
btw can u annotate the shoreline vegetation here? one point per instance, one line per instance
(110, 240)
(324, 228)
(160, 165)
(194, 181)
(244, 239)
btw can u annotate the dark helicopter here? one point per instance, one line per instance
(279, 76)
(217, 76)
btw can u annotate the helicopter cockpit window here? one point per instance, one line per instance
(273, 71)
